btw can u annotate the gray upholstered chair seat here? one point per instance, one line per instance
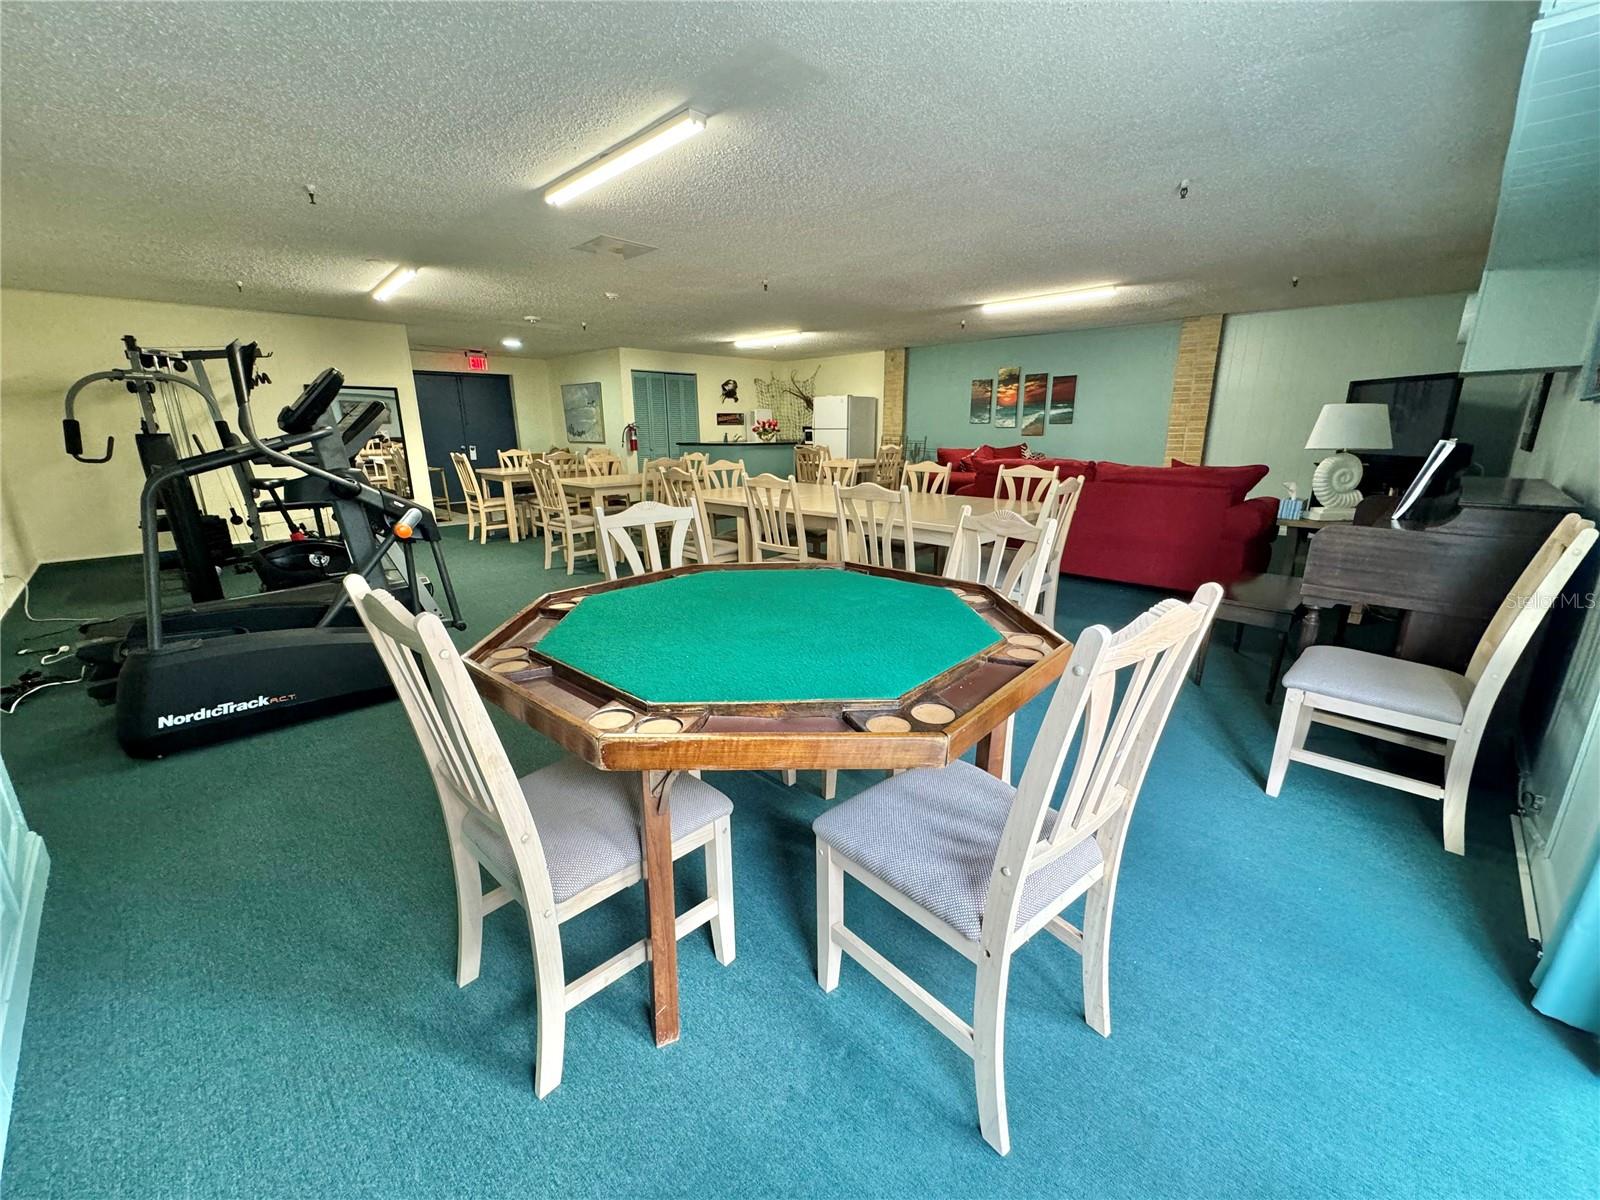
(588, 822)
(1414, 689)
(932, 834)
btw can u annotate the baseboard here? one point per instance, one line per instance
(1530, 899)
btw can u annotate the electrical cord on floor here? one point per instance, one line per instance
(27, 611)
(31, 682)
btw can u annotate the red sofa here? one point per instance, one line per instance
(1170, 527)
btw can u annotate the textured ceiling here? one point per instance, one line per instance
(884, 166)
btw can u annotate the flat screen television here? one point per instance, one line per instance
(1422, 409)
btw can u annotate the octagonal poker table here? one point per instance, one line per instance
(763, 666)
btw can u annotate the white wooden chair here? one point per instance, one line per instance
(808, 462)
(777, 527)
(1005, 551)
(558, 841)
(486, 513)
(1025, 484)
(713, 548)
(868, 521)
(926, 478)
(841, 471)
(984, 866)
(1427, 708)
(891, 462)
(615, 534)
(724, 473)
(560, 518)
(1060, 506)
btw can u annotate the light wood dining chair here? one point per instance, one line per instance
(1060, 506)
(486, 513)
(557, 841)
(1003, 550)
(891, 462)
(695, 462)
(560, 518)
(838, 470)
(1424, 707)
(926, 478)
(680, 525)
(777, 529)
(984, 866)
(868, 523)
(651, 470)
(600, 461)
(808, 462)
(724, 473)
(675, 486)
(1025, 484)
(713, 549)
(515, 457)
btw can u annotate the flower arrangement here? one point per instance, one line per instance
(765, 430)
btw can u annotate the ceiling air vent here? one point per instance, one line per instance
(614, 246)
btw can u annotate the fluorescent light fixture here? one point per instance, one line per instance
(1053, 300)
(629, 154)
(393, 282)
(511, 343)
(760, 341)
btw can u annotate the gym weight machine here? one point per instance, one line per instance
(226, 667)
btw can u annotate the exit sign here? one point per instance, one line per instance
(477, 360)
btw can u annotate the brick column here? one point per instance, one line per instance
(894, 395)
(1192, 381)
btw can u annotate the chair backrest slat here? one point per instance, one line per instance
(647, 516)
(1061, 506)
(869, 520)
(773, 509)
(515, 457)
(1116, 737)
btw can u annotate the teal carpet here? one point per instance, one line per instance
(245, 986)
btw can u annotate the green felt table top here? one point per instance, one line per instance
(772, 635)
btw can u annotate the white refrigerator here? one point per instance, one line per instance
(846, 425)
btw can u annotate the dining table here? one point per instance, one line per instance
(598, 488)
(934, 516)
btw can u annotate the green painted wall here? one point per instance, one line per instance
(1124, 390)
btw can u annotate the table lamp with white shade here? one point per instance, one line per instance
(1344, 427)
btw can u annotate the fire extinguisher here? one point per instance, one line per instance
(630, 438)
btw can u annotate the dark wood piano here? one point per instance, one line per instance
(1447, 577)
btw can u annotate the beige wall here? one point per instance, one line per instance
(841, 374)
(709, 371)
(599, 366)
(69, 510)
(530, 390)
(858, 374)
(17, 559)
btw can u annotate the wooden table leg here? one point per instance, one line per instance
(992, 750)
(508, 492)
(655, 795)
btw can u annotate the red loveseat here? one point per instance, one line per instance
(1171, 527)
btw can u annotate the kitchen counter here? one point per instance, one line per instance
(759, 458)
